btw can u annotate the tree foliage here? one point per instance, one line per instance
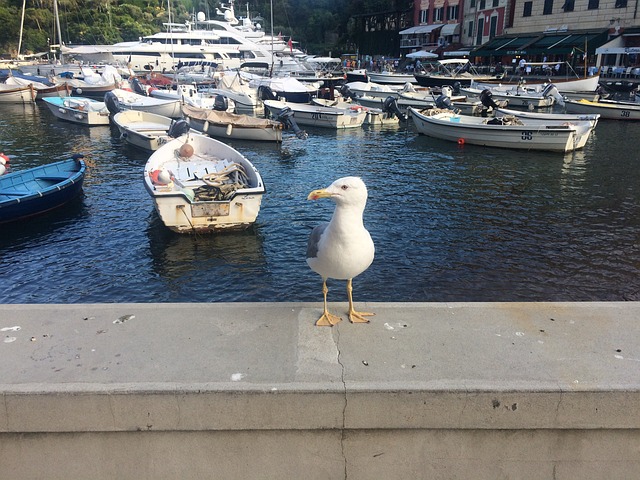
(318, 26)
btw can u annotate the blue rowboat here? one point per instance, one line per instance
(37, 190)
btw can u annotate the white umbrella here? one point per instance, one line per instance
(422, 54)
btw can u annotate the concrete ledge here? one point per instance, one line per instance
(464, 390)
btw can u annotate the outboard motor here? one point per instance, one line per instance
(486, 98)
(456, 88)
(178, 128)
(286, 117)
(265, 93)
(551, 91)
(220, 103)
(138, 87)
(346, 92)
(390, 105)
(443, 101)
(112, 102)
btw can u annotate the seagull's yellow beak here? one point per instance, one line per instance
(316, 194)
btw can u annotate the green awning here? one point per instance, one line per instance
(504, 46)
(556, 43)
(566, 43)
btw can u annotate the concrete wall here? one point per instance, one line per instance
(434, 391)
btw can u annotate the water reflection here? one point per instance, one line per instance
(205, 267)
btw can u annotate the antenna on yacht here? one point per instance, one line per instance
(272, 57)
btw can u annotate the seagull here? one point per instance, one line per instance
(342, 248)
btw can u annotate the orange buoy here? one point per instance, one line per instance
(461, 141)
(186, 151)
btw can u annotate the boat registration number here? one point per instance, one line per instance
(210, 209)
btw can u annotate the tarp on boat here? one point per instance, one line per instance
(216, 117)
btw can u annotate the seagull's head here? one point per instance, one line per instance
(344, 191)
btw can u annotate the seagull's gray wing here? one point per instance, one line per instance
(314, 239)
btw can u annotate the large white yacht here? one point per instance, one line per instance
(227, 43)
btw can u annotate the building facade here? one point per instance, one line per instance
(590, 32)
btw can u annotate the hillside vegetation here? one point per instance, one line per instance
(320, 26)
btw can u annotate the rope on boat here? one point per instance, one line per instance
(222, 185)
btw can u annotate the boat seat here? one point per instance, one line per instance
(148, 126)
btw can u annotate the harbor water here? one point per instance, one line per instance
(450, 222)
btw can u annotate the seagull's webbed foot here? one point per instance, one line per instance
(328, 320)
(355, 317)
(359, 317)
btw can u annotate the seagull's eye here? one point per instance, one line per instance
(344, 187)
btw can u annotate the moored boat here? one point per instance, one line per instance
(85, 111)
(232, 125)
(550, 117)
(199, 184)
(391, 78)
(17, 93)
(119, 99)
(609, 109)
(317, 116)
(26, 193)
(147, 130)
(448, 72)
(500, 132)
(518, 96)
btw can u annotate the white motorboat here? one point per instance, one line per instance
(95, 85)
(391, 78)
(119, 99)
(147, 130)
(609, 109)
(199, 184)
(422, 101)
(375, 116)
(518, 96)
(85, 111)
(317, 116)
(188, 94)
(503, 132)
(231, 125)
(592, 119)
(287, 88)
(234, 87)
(372, 89)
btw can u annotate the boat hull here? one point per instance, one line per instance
(142, 129)
(233, 126)
(84, 111)
(38, 190)
(391, 78)
(450, 127)
(611, 111)
(18, 94)
(323, 117)
(435, 81)
(126, 100)
(181, 204)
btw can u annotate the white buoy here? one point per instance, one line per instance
(229, 129)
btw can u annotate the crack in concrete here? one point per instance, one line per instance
(344, 407)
